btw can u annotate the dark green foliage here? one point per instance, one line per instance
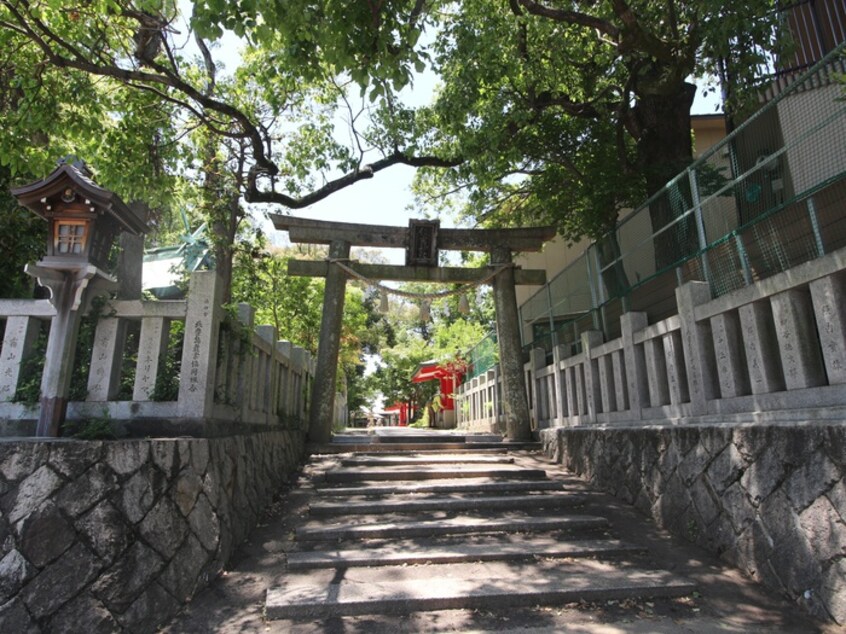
(97, 428)
(23, 239)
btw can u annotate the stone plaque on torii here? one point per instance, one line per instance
(422, 240)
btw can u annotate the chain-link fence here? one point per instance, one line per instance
(482, 357)
(769, 196)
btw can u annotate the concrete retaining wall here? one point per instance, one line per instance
(769, 499)
(109, 536)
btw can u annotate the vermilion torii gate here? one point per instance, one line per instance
(422, 241)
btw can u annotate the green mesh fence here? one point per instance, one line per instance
(482, 357)
(769, 196)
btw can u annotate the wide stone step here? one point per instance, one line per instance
(411, 554)
(450, 526)
(476, 503)
(402, 589)
(468, 485)
(365, 446)
(431, 473)
(416, 460)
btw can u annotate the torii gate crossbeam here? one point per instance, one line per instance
(422, 241)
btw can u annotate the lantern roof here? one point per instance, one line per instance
(38, 196)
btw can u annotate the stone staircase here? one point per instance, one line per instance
(414, 528)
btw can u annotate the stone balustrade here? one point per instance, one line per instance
(229, 371)
(769, 351)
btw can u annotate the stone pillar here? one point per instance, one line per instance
(21, 333)
(633, 357)
(728, 351)
(759, 344)
(829, 299)
(571, 390)
(269, 373)
(593, 395)
(323, 396)
(283, 350)
(656, 371)
(698, 349)
(559, 400)
(618, 363)
(799, 345)
(514, 400)
(202, 326)
(674, 362)
(106, 358)
(243, 382)
(152, 347)
(537, 361)
(607, 383)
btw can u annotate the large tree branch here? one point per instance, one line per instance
(570, 17)
(636, 38)
(255, 195)
(42, 36)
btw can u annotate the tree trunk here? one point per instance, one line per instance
(665, 149)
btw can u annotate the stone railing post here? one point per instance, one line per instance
(537, 361)
(635, 371)
(760, 346)
(559, 401)
(593, 396)
(698, 348)
(21, 333)
(202, 332)
(244, 361)
(266, 379)
(829, 300)
(283, 380)
(152, 346)
(728, 350)
(106, 358)
(798, 341)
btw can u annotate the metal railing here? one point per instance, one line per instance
(769, 196)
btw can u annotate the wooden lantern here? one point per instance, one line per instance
(84, 218)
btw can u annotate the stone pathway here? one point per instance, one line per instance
(471, 539)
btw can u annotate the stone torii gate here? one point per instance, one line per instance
(422, 241)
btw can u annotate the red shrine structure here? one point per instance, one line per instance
(450, 375)
(403, 410)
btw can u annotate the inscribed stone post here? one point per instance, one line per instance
(559, 400)
(829, 296)
(202, 321)
(593, 395)
(700, 365)
(633, 356)
(797, 339)
(18, 339)
(323, 396)
(152, 347)
(106, 357)
(756, 324)
(729, 355)
(515, 403)
(537, 361)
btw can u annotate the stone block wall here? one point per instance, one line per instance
(111, 536)
(768, 499)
